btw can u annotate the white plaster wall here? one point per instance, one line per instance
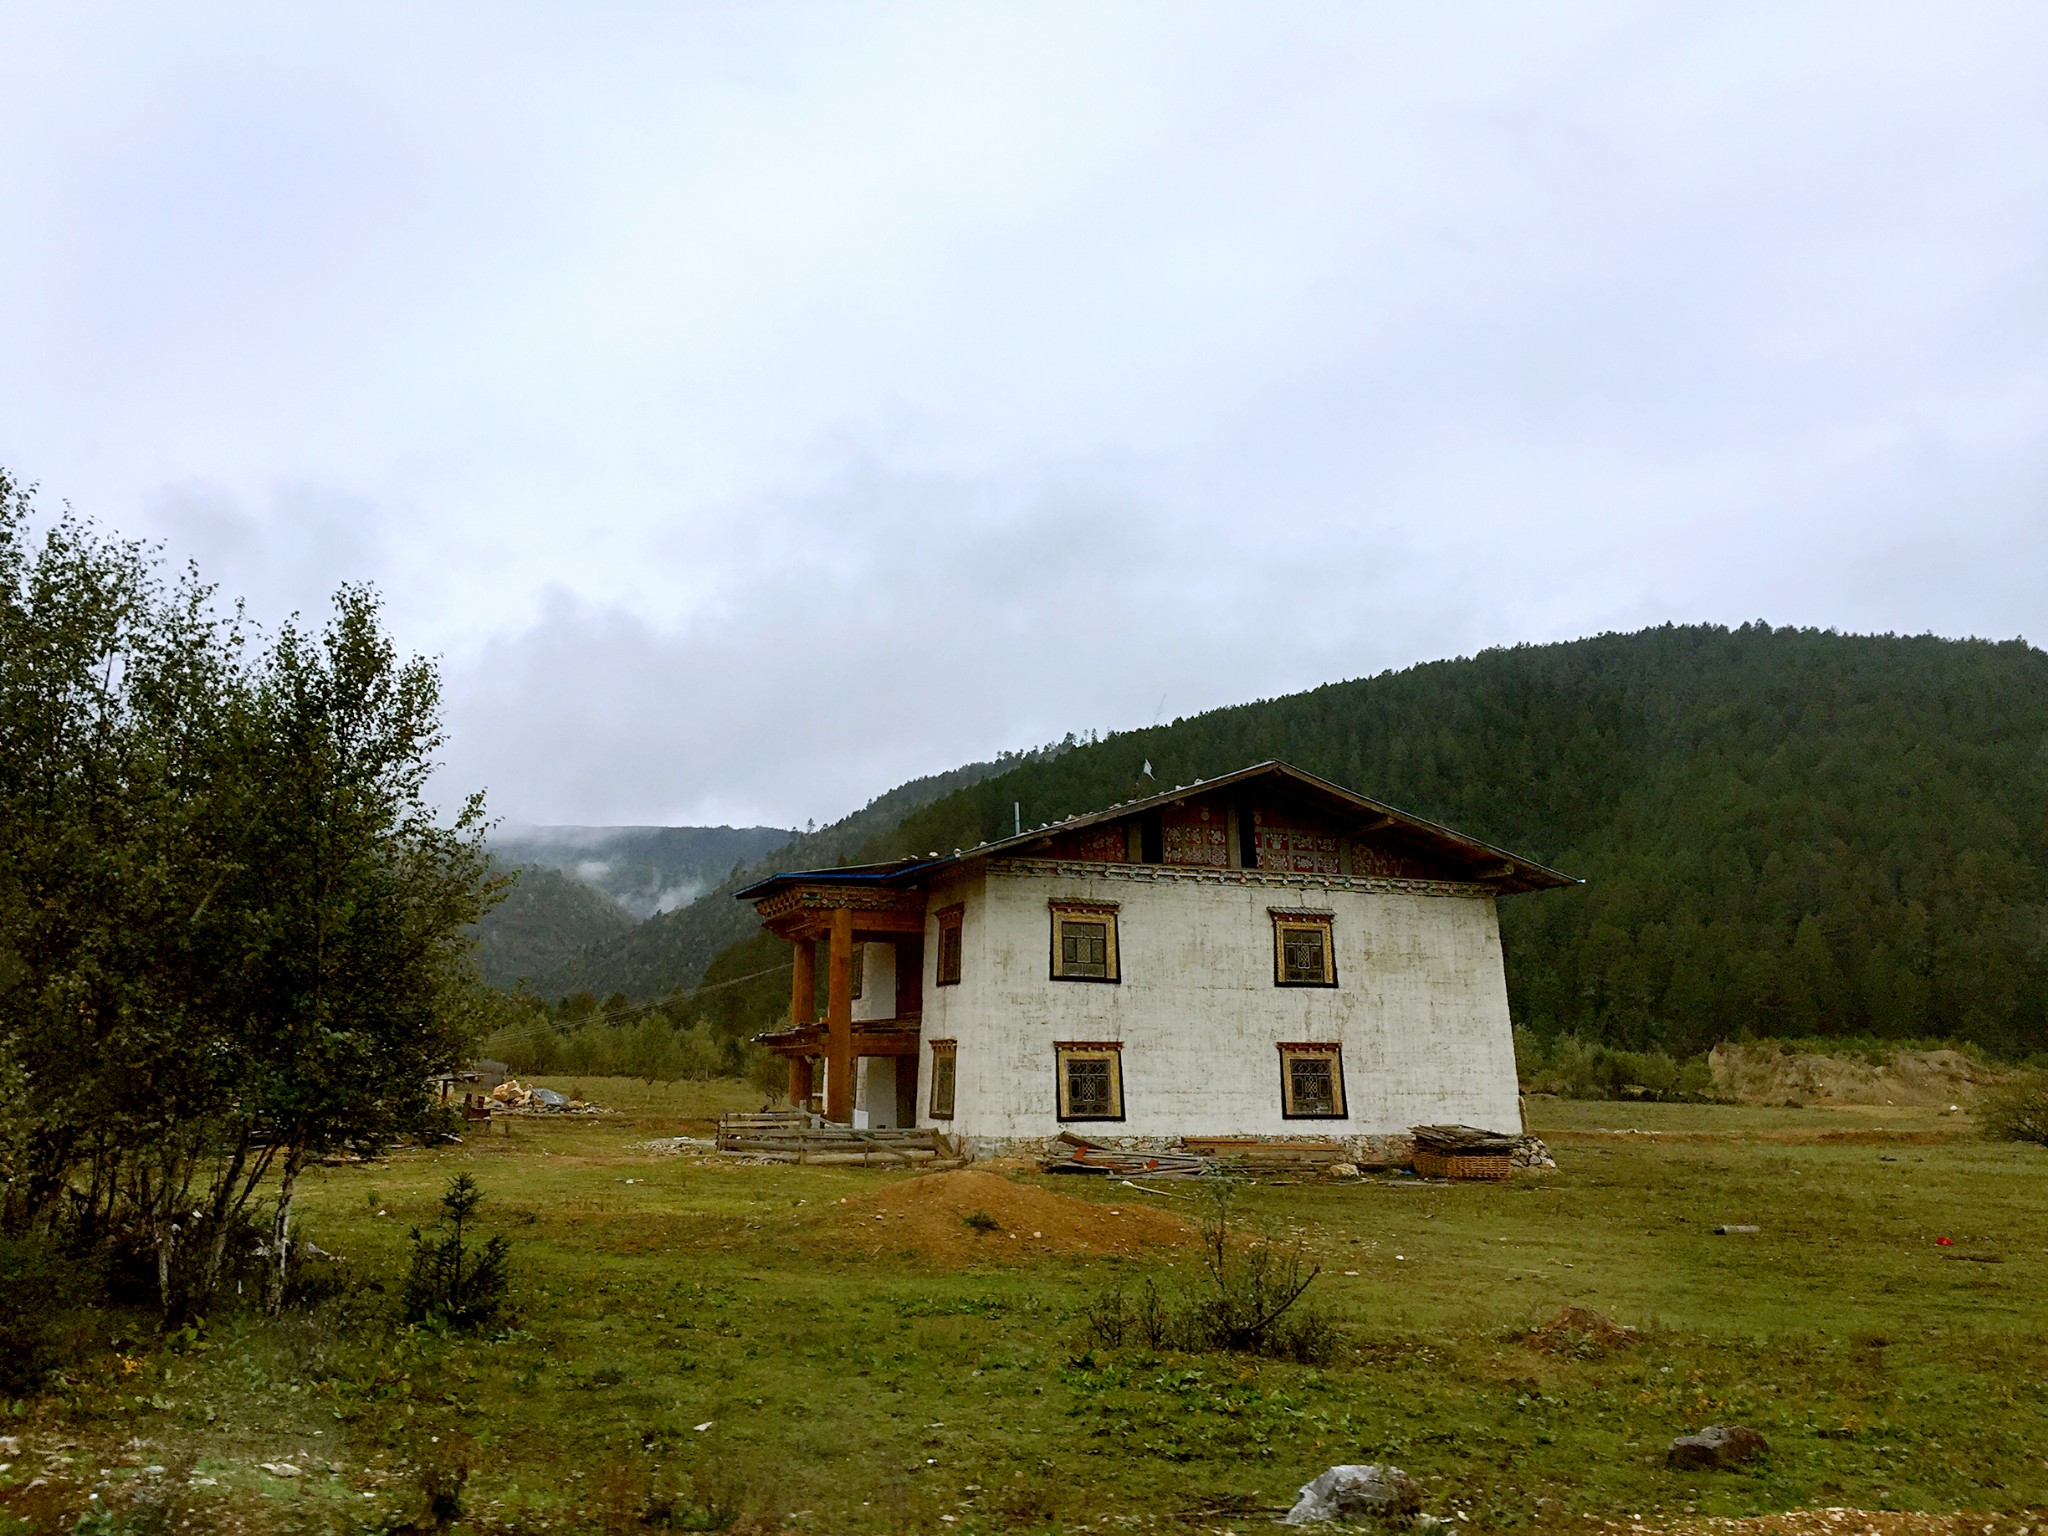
(874, 1093)
(877, 998)
(1420, 1008)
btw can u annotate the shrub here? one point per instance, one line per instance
(453, 1281)
(1576, 1068)
(34, 1280)
(1246, 1306)
(2018, 1111)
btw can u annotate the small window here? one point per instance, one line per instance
(1091, 1080)
(1084, 942)
(943, 1079)
(1303, 955)
(949, 946)
(1312, 1082)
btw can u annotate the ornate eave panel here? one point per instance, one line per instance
(1271, 879)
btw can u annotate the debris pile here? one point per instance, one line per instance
(1531, 1153)
(511, 1098)
(1582, 1333)
(1074, 1155)
(928, 1215)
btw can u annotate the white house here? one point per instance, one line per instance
(1264, 954)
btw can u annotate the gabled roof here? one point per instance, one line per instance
(1504, 871)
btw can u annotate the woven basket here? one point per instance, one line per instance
(1434, 1165)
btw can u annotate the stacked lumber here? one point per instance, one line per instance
(795, 1137)
(1080, 1156)
(1252, 1154)
(1462, 1152)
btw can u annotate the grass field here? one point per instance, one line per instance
(696, 1343)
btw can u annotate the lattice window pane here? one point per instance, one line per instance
(1084, 948)
(1088, 1087)
(1312, 1081)
(1303, 954)
(949, 954)
(942, 1085)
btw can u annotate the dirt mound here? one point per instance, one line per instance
(1764, 1073)
(1582, 1333)
(930, 1215)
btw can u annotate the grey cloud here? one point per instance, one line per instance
(760, 406)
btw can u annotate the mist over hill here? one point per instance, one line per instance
(1783, 832)
(668, 949)
(645, 870)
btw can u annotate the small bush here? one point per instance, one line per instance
(2018, 1111)
(453, 1281)
(1246, 1307)
(981, 1221)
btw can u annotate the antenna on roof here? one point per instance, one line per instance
(1017, 809)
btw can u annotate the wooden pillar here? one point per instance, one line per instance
(839, 1020)
(800, 1082)
(803, 984)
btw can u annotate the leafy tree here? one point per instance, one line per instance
(233, 934)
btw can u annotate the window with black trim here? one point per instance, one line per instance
(949, 946)
(1084, 941)
(944, 1077)
(1091, 1080)
(1312, 1082)
(1303, 952)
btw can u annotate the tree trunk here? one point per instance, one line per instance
(281, 1232)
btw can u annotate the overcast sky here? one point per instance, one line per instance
(758, 405)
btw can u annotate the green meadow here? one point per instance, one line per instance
(693, 1346)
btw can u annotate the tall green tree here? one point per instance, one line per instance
(234, 933)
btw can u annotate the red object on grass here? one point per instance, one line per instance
(1944, 1242)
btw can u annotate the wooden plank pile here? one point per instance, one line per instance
(792, 1136)
(1110, 1163)
(1462, 1152)
(1251, 1154)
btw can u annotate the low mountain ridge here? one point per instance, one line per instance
(1783, 832)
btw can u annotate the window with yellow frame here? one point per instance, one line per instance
(1312, 1081)
(947, 968)
(1084, 941)
(1091, 1079)
(1304, 950)
(945, 1078)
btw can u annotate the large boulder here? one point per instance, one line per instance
(1716, 1446)
(1369, 1492)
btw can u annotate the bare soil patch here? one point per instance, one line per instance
(929, 1215)
(1763, 1072)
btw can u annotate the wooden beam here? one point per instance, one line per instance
(1495, 872)
(803, 985)
(887, 924)
(839, 1020)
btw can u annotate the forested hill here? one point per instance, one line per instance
(1782, 831)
